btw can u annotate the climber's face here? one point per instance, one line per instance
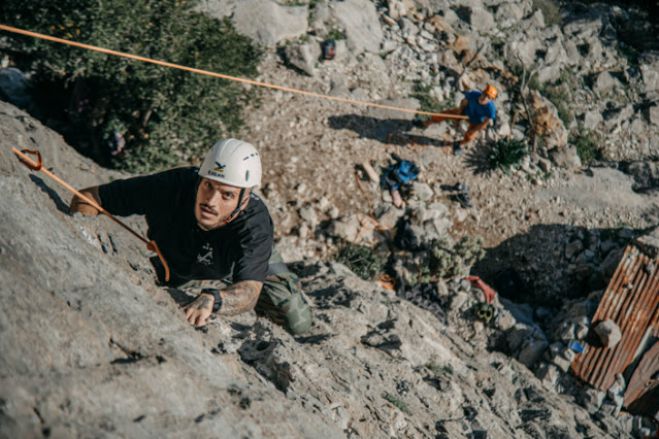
(214, 203)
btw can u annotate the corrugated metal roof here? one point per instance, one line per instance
(632, 302)
(643, 384)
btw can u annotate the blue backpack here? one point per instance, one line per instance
(399, 174)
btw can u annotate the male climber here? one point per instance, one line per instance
(479, 107)
(209, 224)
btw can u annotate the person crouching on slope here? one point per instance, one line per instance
(209, 224)
(479, 107)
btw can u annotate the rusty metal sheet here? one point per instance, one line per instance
(632, 302)
(643, 384)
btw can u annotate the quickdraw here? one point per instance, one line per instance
(38, 166)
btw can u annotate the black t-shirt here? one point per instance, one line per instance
(240, 249)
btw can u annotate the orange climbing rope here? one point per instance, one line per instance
(38, 166)
(223, 76)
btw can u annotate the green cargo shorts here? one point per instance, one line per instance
(281, 301)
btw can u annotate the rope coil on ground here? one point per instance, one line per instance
(223, 76)
(38, 166)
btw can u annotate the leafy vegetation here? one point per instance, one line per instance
(505, 154)
(165, 116)
(336, 34)
(361, 260)
(447, 260)
(398, 403)
(587, 144)
(421, 92)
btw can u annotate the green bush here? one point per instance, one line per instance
(587, 144)
(166, 116)
(397, 402)
(450, 260)
(506, 154)
(361, 260)
(421, 92)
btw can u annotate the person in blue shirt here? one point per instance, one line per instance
(479, 107)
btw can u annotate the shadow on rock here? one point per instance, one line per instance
(554, 262)
(262, 354)
(477, 159)
(180, 297)
(391, 131)
(59, 203)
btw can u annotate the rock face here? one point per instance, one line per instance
(265, 21)
(91, 347)
(547, 123)
(361, 23)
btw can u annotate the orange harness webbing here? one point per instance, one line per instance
(38, 166)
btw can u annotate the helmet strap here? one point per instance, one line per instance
(242, 201)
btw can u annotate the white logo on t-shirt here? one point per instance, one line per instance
(207, 258)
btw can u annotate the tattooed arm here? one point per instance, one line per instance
(236, 299)
(240, 297)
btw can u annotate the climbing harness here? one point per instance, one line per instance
(221, 75)
(38, 166)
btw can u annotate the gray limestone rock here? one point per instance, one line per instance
(608, 332)
(605, 83)
(303, 56)
(481, 20)
(548, 374)
(650, 73)
(422, 191)
(14, 87)
(653, 114)
(591, 399)
(361, 23)
(565, 157)
(268, 22)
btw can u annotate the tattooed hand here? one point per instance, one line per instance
(197, 312)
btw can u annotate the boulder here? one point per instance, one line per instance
(303, 56)
(309, 215)
(548, 374)
(653, 115)
(268, 22)
(609, 333)
(565, 157)
(645, 173)
(546, 122)
(605, 83)
(509, 14)
(650, 72)
(422, 191)
(14, 87)
(346, 228)
(591, 399)
(398, 8)
(592, 119)
(481, 20)
(361, 23)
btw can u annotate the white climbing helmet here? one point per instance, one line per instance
(233, 162)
